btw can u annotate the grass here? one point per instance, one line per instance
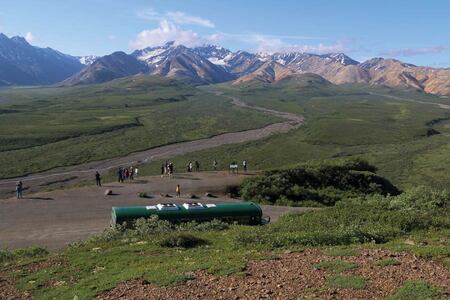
(56, 127)
(354, 121)
(387, 262)
(66, 126)
(335, 266)
(165, 254)
(72, 125)
(22, 255)
(417, 290)
(347, 282)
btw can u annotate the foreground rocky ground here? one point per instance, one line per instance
(297, 275)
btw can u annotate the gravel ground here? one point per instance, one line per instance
(56, 218)
(9, 292)
(293, 276)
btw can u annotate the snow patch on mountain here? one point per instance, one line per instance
(87, 60)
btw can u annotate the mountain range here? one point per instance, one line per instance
(24, 64)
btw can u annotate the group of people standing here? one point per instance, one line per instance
(126, 173)
(167, 168)
(234, 167)
(190, 166)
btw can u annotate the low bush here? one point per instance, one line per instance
(148, 228)
(182, 240)
(325, 183)
(370, 219)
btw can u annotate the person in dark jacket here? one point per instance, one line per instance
(120, 175)
(19, 189)
(98, 179)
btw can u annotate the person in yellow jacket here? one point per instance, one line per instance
(178, 191)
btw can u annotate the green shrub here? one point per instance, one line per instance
(147, 228)
(215, 225)
(150, 226)
(182, 240)
(325, 183)
(354, 221)
(6, 255)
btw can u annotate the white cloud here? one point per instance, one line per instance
(416, 51)
(111, 37)
(166, 32)
(276, 43)
(183, 18)
(177, 17)
(29, 37)
(317, 49)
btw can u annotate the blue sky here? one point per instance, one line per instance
(413, 31)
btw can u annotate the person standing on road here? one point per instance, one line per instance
(98, 179)
(136, 172)
(170, 170)
(19, 189)
(244, 164)
(215, 165)
(178, 191)
(197, 166)
(131, 173)
(120, 175)
(163, 170)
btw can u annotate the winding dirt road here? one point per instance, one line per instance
(74, 174)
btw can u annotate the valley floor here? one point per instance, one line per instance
(78, 174)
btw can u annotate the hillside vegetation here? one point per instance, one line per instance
(161, 253)
(67, 126)
(400, 131)
(322, 183)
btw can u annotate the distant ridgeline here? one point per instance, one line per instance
(320, 183)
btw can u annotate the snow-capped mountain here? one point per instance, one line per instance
(24, 64)
(179, 61)
(151, 56)
(215, 54)
(87, 59)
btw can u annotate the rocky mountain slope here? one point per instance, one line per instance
(182, 62)
(24, 64)
(106, 68)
